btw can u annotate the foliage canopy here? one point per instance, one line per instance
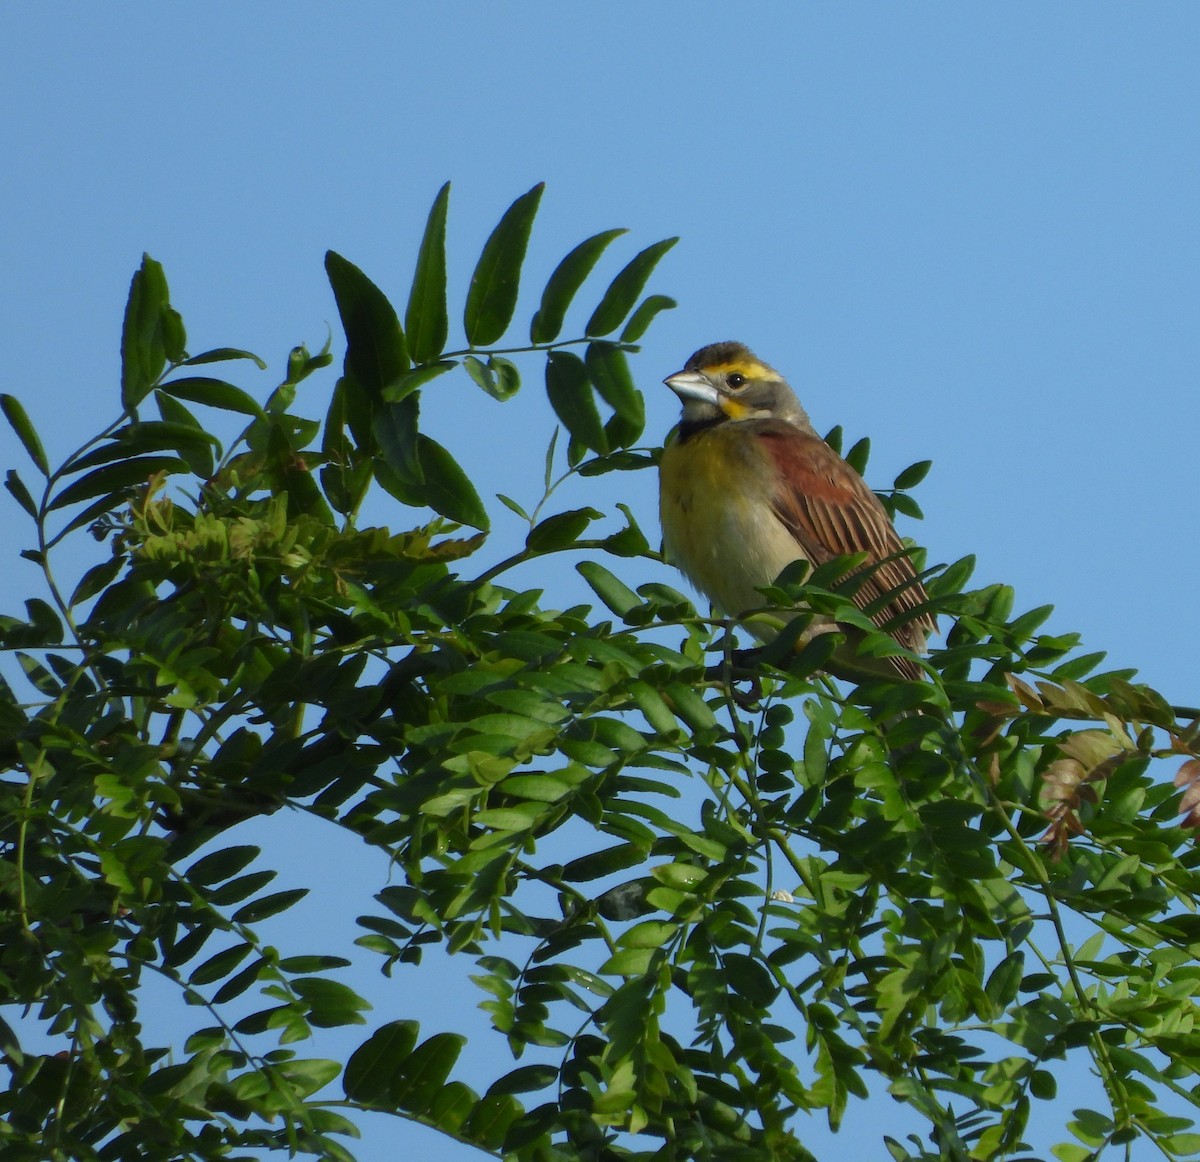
(695, 913)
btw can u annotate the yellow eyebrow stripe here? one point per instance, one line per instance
(748, 367)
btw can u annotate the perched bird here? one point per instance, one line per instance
(747, 486)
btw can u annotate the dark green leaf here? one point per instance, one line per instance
(492, 295)
(96, 578)
(1005, 980)
(906, 506)
(490, 1120)
(223, 355)
(570, 392)
(953, 578)
(239, 982)
(610, 589)
(395, 430)
(425, 320)
(376, 353)
(858, 456)
(524, 1080)
(640, 320)
(270, 905)
(564, 283)
(378, 1060)
(15, 414)
(625, 289)
(116, 478)
(446, 488)
(16, 486)
(622, 461)
(418, 377)
(604, 863)
(84, 517)
(220, 865)
(220, 965)
(301, 364)
(147, 332)
(609, 371)
(330, 1002)
(425, 1072)
(913, 474)
(561, 530)
(213, 393)
(197, 451)
(147, 436)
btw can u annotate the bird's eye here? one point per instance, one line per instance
(735, 380)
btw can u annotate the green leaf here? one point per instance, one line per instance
(221, 865)
(609, 371)
(213, 393)
(152, 331)
(625, 289)
(96, 578)
(492, 295)
(221, 965)
(564, 283)
(906, 506)
(858, 455)
(481, 374)
(603, 863)
(378, 1060)
(239, 982)
(114, 479)
(16, 487)
(561, 530)
(15, 414)
(424, 1072)
(505, 378)
(610, 589)
(395, 430)
(426, 320)
(640, 320)
(512, 505)
(1005, 980)
(570, 392)
(489, 1122)
(446, 488)
(417, 378)
(270, 905)
(376, 353)
(526, 1079)
(197, 450)
(330, 1002)
(913, 474)
(223, 355)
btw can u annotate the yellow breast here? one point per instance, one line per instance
(719, 528)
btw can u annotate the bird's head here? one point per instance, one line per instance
(727, 381)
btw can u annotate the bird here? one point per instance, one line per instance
(747, 486)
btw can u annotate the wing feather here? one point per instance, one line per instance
(830, 511)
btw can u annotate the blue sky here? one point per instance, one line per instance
(969, 231)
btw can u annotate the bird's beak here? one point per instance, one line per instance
(693, 385)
